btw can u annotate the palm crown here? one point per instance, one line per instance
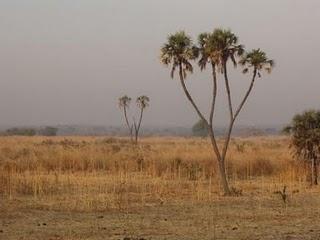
(178, 51)
(218, 47)
(258, 60)
(124, 101)
(143, 102)
(226, 46)
(207, 50)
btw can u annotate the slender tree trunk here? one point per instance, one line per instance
(189, 96)
(136, 133)
(221, 161)
(136, 138)
(312, 170)
(221, 164)
(224, 179)
(234, 117)
(228, 89)
(214, 92)
(127, 122)
(220, 156)
(137, 127)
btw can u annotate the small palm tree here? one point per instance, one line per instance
(142, 103)
(124, 103)
(305, 139)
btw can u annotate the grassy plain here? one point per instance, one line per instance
(165, 188)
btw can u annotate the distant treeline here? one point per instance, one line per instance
(79, 130)
(23, 131)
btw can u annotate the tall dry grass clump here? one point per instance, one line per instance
(84, 173)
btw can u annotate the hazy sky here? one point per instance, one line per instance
(68, 61)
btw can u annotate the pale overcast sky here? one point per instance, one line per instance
(68, 61)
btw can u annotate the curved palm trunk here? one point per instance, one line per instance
(222, 170)
(137, 127)
(225, 73)
(234, 117)
(220, 156)
(189, 96)
(221, 162)
(214, 93)
(127, 122)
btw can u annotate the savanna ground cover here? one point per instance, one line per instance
(163, 188)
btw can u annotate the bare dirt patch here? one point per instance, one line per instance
(247, 217)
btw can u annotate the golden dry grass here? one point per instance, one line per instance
(107, 173)
(87, 175)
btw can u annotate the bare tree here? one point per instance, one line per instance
(217, 49)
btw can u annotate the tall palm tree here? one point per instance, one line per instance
(179, 51)
(217, 49)
(142, 103)
(124, 102)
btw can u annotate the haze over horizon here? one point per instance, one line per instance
(67, 62)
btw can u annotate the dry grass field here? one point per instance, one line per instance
(164, 188)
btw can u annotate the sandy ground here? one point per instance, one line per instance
(246, 217)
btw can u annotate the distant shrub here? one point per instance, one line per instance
(200, 129)
(48, 131)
